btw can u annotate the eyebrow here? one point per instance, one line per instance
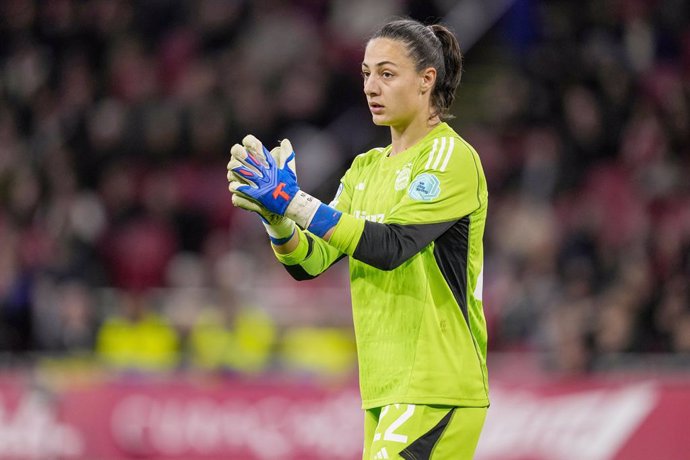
(382, 63)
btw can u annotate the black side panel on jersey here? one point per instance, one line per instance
(387, 246)
(422, 447)
(299, 273)
(450, 252)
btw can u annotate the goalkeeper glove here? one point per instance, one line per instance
(280, 229)
(274, 186)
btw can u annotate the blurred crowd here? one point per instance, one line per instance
(118, 238)
(587, 150)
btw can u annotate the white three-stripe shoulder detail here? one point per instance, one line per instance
(441, 151)
(440, 156)
(431, 154)
(451, 147)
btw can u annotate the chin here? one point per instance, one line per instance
(380, 121)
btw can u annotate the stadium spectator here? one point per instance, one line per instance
(580, 112)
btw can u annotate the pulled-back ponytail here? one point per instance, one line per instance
(444, 91)
(433, 46)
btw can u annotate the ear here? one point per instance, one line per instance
(427, 78)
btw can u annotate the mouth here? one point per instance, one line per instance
(375, 107)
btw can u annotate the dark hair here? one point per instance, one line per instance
(430, 46)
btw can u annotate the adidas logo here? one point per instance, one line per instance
(383, 453)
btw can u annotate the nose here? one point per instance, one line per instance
(371, 87)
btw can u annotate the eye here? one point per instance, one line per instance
(365, 74)
(386, 74)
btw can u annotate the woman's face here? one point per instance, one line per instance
(395, 91)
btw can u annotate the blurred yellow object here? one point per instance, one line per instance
(64, 372)
(323, 351)
(149, 343)
(245, 346)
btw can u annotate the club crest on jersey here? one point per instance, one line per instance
(402, 180)
(425, 187)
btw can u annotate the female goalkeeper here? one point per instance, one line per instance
(410, 216)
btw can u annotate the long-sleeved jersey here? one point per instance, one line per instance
(412, 225)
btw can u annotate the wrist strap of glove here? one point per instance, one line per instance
(309, 213)
(279, 232)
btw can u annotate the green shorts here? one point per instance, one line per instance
(418, 432)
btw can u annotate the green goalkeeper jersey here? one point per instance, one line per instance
(412, 225)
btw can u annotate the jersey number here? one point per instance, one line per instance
(390, 434)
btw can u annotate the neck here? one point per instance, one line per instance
(404, 137)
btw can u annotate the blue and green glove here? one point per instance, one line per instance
(266, 182)
(280, 229)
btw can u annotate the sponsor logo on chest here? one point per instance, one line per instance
(370, 217)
